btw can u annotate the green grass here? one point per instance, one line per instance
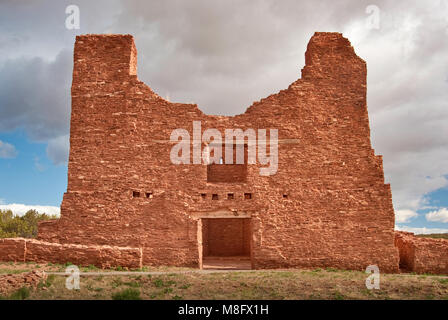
(132, 284)
(47, 283)
(89, 268)
(167, 290)
(127, 294)
(117, 282)
(434, 235)
(13, 271)
(159, 283)
(21, 294)
(338, 296)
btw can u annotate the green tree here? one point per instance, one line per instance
(12, 226)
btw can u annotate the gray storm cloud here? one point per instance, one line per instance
(35, 97)
(224, 55)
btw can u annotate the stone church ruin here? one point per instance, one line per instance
(128, 205)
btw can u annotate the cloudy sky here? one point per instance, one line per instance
(223, 55)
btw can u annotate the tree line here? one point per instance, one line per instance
(12, 226)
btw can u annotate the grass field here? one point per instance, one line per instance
(175, 283)
(434, 235)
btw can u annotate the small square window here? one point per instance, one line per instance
(149, 195)
(248, 196)
(135, 194)
(285, 196)
(214, 196)
(203, 195)
(230, 196)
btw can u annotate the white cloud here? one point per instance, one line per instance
(38, 165)
(404, 215)
(440, 215)
(58, 149)
(21, 209)
(422, 230)
(7, 150)
(407, 94)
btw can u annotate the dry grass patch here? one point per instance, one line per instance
(258, 284)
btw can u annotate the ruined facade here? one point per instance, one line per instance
(326, 206)
(422, 255)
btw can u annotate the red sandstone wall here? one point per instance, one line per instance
(227, 237)
(422, 255)
(227, 173)
(338, 211)
(406, 250)
(24, 250)
(12, 250)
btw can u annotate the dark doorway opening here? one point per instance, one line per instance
(226, 243)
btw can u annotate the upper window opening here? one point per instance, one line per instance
(228, 172)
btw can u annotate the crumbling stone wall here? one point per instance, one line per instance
(31, 250)
(422, 255)
(327, 205)
(12, 282)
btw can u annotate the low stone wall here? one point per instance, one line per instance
(422, 255)
(24, 250)
(12, 249)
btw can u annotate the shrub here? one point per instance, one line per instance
(158, 283)
(167, 290)
(338, 296)
(12, 226)
(20, 294)
(116, 282)
(47, 283)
